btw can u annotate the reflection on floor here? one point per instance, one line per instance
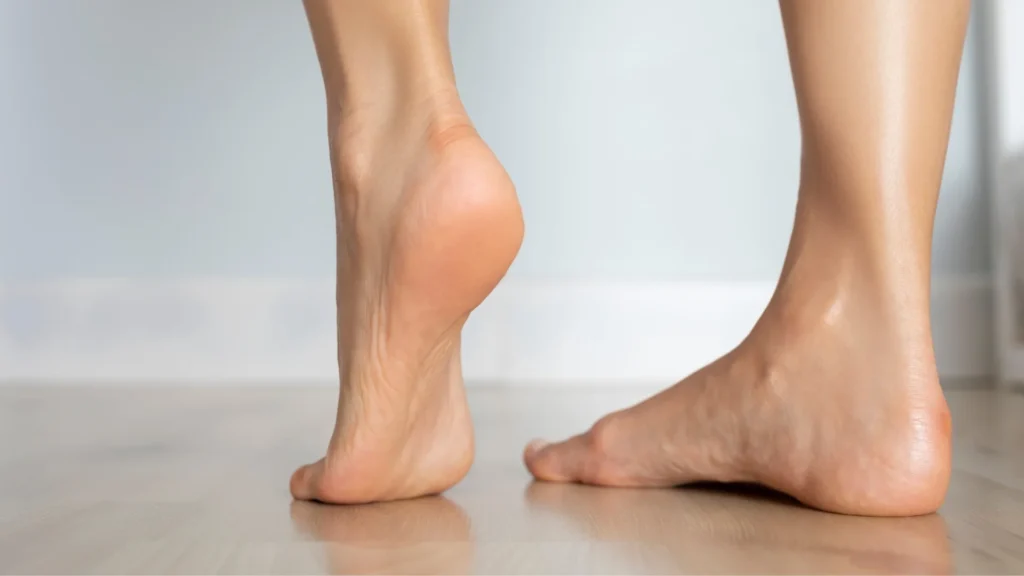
(193, 480)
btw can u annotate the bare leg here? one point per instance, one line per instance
(834, 396)
(427, 224)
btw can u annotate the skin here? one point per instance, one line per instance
(833, 398)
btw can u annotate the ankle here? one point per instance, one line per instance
(850, 297)
(834, 253)
(833, 288)
(858, 223)
(377, 158)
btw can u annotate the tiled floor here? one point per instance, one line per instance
(194, 480)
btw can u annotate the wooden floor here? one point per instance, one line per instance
(193, 480)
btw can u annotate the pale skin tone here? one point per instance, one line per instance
(833, 398)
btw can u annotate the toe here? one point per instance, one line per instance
(305, 480)
(561, 462)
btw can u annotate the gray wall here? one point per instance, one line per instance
(650, 140)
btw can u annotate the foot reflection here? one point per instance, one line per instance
(422, 536)
(735, 530)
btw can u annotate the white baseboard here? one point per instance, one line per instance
(270, 331)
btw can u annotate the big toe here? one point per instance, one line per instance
(568, 461)
(305, 481)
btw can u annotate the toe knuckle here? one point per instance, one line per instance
(601, 437)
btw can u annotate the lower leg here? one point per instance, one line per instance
(427, 224)
(834, 396)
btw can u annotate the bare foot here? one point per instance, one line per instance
(428, 224)
(833, 399)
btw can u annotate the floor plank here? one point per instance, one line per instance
(194, 481)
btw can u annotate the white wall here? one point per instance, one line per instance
(174, 140)
(1002, 21)
(633, 128)
(144, 137)
(155, 138)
